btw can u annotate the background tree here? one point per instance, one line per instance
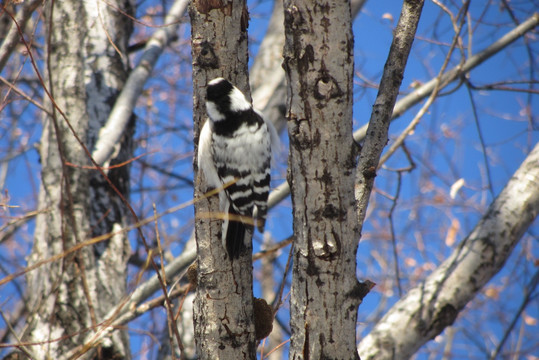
(467, 120)
(85, 68)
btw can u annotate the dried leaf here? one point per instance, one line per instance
(388, 16)
(410, 262)
(415, 84)
(529, 320)
(452, 232)
(492, 293)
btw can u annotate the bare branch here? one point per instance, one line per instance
(111, 133)
(130, 307)
(427, 309)
(283, 190)
(423, 91)
(433, 95)
(378, 126)
(12, 38)
(529, 291)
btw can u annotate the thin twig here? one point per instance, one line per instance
(481, 140)
(23, 348)
(26, 97)
(529, 291)
(283, 190)
(278, 300)
(438, 85)
(392, 231)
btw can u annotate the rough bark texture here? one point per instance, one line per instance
(267, 282)
(318, 62)
(267, 76)
(427, 309)
(223, 308)
(85, 74)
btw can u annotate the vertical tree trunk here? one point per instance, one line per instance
(319, 65)
(86, 68)
(223, 308)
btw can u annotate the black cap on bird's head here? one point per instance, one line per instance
(218, 89)
(223, 98)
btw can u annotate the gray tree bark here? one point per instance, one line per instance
(325, 295)
(382, 110)
(267, 75)
(86, 68)
(223, 308)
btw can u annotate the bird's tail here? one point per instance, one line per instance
(234, 234)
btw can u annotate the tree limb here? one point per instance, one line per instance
(130, 308)
(11, 39)
(429, 308)
(110, 134)
(376, 135)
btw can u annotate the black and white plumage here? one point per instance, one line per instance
(234, 153)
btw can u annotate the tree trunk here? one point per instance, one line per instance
(223, 308)
(86, 68)
(319, 65)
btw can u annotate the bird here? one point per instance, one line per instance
(234, 154)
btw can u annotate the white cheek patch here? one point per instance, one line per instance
(213, 112)
(238, 101)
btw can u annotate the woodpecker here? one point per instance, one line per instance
(234, 154)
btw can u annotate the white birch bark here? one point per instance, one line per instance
(426, 310)
(118, 120)
(86, 69)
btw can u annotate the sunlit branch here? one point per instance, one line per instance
(123, 108)
(436, 302)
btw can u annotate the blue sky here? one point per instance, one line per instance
(445, 147)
